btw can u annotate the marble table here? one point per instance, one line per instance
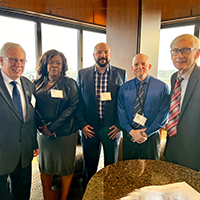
(119, 179)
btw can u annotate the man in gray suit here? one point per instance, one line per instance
(18, 142)
(183, 140)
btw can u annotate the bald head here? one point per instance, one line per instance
(102, 55)
(140, 56)
(100, 46)
(141, 66)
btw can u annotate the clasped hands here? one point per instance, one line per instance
(138, 136)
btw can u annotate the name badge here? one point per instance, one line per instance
(106, 96)
(56, 93)
(140, 119)
(33, 101)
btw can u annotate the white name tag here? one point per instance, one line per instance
(56, 93)
(106, 96)
(140, 119)
(33, 101)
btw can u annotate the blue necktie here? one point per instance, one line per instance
(138, 104)
(17, 98)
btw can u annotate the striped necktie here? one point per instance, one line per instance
(17, 98)
(139, 104)
(174, 108)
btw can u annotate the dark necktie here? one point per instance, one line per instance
(174, 108)
(17, 98)
(138, 104)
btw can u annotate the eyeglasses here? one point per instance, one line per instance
(51, 62)
(184, 51)
(15, 60)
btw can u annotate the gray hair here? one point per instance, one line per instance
(10, 45)
(193, 39)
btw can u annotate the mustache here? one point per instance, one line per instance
(102, 58)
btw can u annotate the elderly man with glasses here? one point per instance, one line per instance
(183, 139)
(18, 142)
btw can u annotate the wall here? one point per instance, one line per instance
(92, 11)
(122, 22)
(150, 35)
(179, 8)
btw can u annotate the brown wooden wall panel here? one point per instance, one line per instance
(122, 24)
(92, 11)
(179, 8)
(150, 36)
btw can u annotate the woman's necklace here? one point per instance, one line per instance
(51, 82)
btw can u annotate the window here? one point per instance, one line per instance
(20, 31)
(165, 65)
(90, 39)
(38, 34)
(64, 40)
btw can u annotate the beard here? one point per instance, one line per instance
(100, 64)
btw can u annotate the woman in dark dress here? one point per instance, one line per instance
(57, 99)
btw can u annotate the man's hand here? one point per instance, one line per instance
(87, 131)
(35, 152)
(143, 139)
(138, 136)
(114, 132)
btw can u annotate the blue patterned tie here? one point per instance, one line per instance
(17, 98)
(138, 104)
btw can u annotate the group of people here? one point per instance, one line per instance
(44, 117)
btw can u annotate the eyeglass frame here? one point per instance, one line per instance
(15, 60)
(180, 50)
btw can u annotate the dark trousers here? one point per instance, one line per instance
(19, 184)
(92, 149)
(150, 149)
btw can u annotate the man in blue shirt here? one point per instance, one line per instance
(143, 106)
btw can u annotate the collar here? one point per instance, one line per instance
(7, 79)
(107, 69)
(146, 80)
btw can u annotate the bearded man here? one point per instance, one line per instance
(97, 114)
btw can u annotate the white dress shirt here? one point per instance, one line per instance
(9, 86)
(184, 83)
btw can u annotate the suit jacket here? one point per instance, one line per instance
(17, 138)
(88, 100)
(184, 147)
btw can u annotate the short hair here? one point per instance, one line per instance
(193, 39)
(41, 68)
(10, 45)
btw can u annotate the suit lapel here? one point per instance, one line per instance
(111, 78)
(27, 95)
(91, 82)
(190, 88)
(6, 96)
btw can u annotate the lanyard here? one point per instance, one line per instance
(142, 106)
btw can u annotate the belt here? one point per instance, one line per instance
(100, 121)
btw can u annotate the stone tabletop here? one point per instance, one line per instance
(119, 179)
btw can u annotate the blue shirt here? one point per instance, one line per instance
(156, 105)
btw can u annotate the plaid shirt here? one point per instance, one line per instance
(101, 83)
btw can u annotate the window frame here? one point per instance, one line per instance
(39, 18)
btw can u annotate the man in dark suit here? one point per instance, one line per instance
(18, 142)
(183, 140)
(98, 87)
